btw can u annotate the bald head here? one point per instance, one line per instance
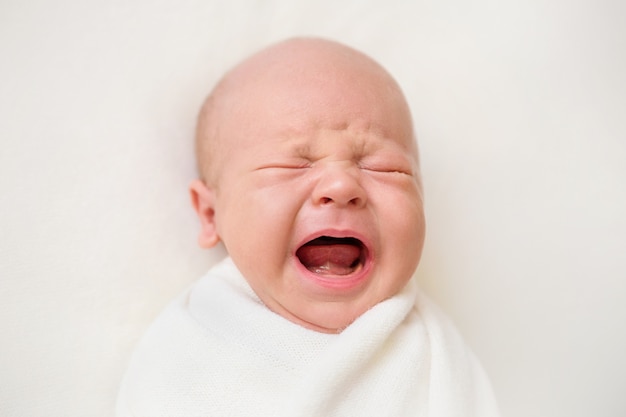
(326, 73)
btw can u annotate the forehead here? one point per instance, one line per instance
(297, 92)
(301, 89)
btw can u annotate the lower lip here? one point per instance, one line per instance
(336, 283)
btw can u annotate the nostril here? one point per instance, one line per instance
(325, 200)
(339, 187)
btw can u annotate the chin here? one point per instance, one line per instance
(331, 318)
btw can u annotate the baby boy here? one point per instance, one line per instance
(309, 176)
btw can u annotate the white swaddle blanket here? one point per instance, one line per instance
(218, 351)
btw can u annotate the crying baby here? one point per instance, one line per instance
(309, 177)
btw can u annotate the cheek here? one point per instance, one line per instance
(402, 218)
(402, 248)
(259, 221)
(415, 224)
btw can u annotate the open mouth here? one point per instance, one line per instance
(328, 255)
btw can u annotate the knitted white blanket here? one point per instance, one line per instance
(217, 351)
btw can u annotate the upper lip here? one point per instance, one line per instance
(336, 233)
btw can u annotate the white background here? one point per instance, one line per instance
(520, 108)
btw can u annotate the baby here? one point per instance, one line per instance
(309, 176)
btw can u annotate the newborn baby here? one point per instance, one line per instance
(309, 176)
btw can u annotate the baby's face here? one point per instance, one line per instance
(318, 200)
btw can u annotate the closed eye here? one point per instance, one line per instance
(283, 165)
(279, 173)
(388, 162)
(387, 169)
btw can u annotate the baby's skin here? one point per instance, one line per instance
(309, 175)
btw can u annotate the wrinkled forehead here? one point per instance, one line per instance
(308, 84)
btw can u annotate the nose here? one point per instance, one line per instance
(340, 186)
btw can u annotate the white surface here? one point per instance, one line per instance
(519, 107)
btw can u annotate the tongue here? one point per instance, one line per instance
(330, 259)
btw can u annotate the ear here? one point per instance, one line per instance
(203, 202)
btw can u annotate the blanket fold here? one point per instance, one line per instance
(218, 351)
